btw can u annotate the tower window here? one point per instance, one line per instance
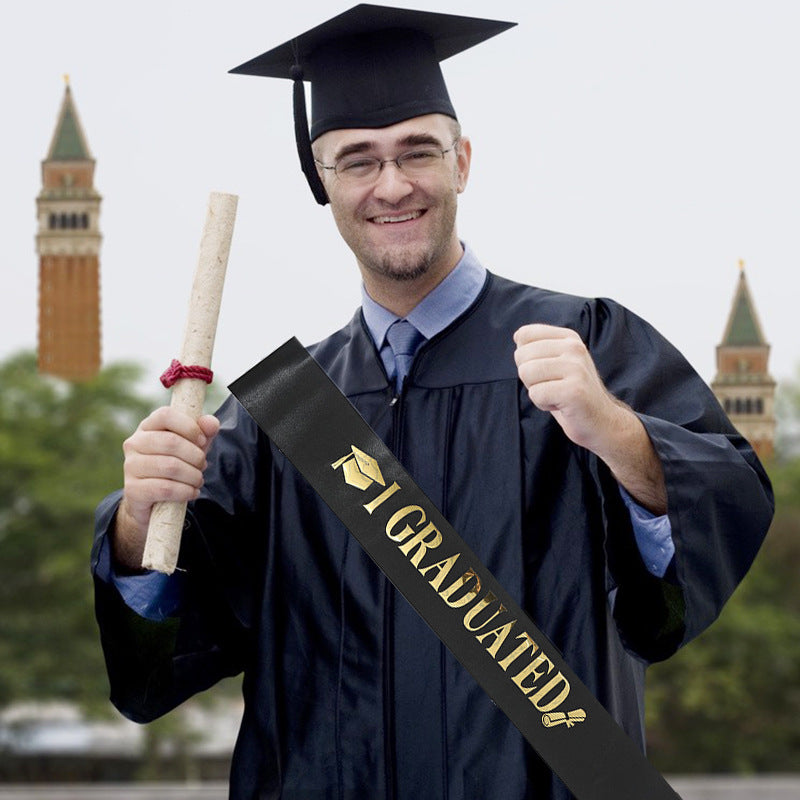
(749, 405)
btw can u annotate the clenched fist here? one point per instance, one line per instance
(561, 378)
(560, 375)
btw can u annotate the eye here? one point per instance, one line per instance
(356, 165)
(419, 158)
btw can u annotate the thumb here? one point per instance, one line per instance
(209, 425)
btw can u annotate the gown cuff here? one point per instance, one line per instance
(152, 595)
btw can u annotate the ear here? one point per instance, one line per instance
(320, 153)
(463, 161)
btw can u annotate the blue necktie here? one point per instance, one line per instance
(416, 652)
(404, 339)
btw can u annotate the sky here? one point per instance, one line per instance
(636, 149)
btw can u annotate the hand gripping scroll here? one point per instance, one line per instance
(166, 520)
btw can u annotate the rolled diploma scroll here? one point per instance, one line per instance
(188, 395)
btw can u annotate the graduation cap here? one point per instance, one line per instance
(370, 67)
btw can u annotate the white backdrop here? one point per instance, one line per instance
(625, 148)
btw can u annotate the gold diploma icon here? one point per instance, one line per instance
(560, 718)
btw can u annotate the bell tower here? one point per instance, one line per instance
(68, 246)
(743, 384)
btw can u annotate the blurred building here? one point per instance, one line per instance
(743, 384)
(68, 245)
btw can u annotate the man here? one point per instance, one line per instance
(572, 447)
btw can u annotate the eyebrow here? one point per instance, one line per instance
(411, 140)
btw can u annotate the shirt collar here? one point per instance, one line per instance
(451, 298)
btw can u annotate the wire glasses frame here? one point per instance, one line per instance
(358, 168)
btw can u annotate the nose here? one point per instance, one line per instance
(392, 184)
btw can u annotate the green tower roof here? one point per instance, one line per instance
(743, 328)
(69, 143)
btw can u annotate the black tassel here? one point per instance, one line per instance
(303, 138)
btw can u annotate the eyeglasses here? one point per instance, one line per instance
(359, 168)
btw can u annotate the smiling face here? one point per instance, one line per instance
(401, 227)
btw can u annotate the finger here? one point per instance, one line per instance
(537, 331)
(546, 348)
(541, 370)
(209, 425)
(145, 493)
(170, 419)
(546, 342)
(145, 467)
(141, 495)
(572, 375)
(546, 396)
(164, 443)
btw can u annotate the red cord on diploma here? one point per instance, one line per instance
(178, 371)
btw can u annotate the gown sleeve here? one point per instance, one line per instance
(720, 501)
(153, 666)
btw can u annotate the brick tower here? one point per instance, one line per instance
(68, 245)
(743, 384)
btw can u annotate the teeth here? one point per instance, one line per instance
(401, 218)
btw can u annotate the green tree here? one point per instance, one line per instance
(59, 454)
(787, 403)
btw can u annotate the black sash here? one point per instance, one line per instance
(301, 410)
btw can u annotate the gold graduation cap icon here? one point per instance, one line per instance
(360, 470)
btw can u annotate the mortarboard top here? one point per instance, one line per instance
(370, 67)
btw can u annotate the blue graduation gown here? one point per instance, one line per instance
(347, 693)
